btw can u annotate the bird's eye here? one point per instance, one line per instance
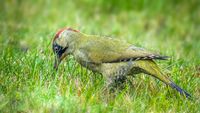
(56, 48)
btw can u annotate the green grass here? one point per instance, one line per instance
(28, 82)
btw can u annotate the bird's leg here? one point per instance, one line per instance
(117, 79)
(115, 82)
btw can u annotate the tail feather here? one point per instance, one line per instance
(180, 90)
(151, 68)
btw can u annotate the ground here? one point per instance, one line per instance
(28, 82)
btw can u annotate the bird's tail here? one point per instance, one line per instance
(151, 68)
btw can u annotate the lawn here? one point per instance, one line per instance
(28, 82)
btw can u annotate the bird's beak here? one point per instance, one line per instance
(58, 60)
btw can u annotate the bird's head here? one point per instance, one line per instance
(61, 44)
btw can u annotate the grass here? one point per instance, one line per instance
(29, 84)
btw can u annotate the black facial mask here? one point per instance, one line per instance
(59, 50)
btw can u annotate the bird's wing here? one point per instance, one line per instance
(107, 50)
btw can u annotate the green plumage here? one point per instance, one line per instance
(105, 50)
(134, 67)
(113, 58)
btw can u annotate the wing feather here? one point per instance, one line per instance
(107, 50)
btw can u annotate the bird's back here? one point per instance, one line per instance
(107, 50)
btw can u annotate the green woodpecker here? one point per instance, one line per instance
(112, 58)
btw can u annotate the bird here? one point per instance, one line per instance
(111, 57)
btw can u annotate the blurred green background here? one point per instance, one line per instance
(171, 27)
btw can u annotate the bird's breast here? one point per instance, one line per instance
(89, 65)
